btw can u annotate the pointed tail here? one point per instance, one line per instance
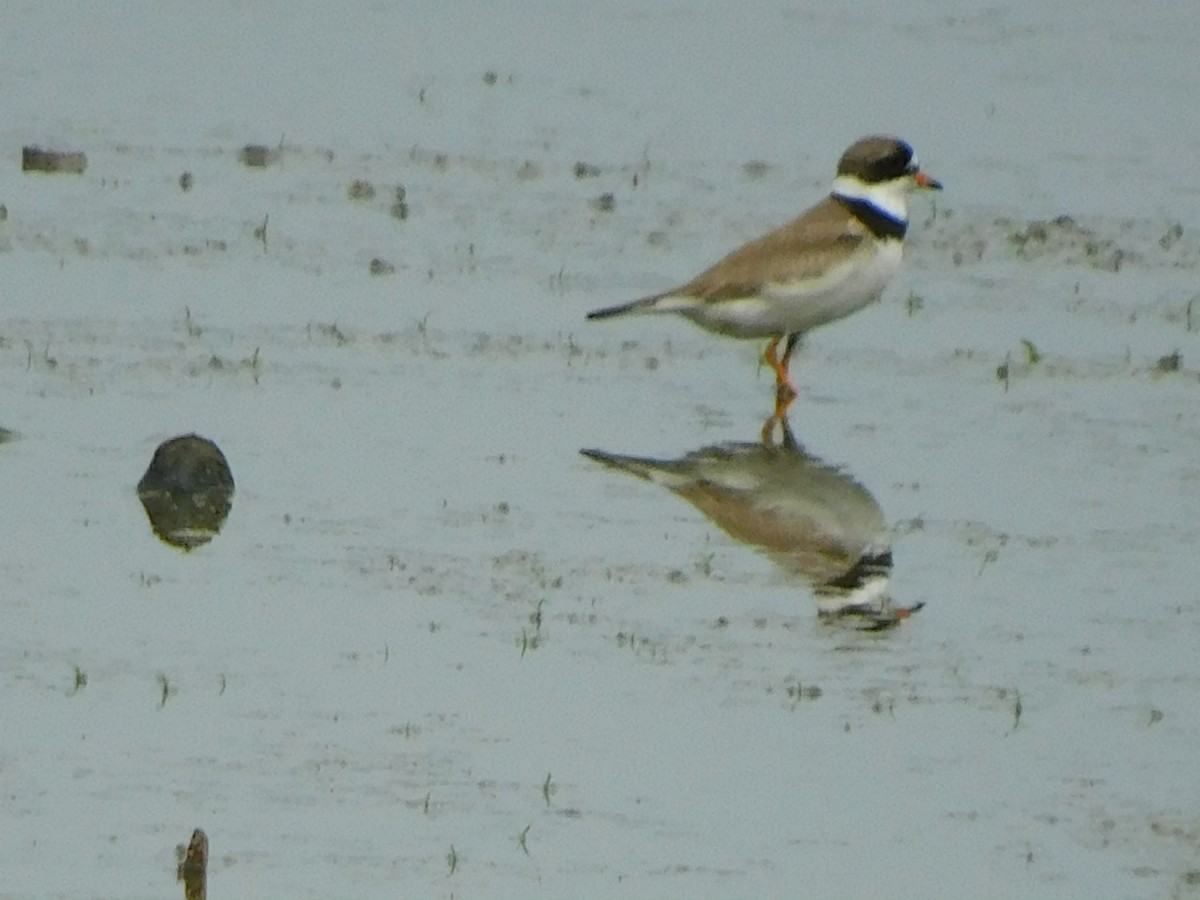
(644, 305)
(630, 464)
(671, 474)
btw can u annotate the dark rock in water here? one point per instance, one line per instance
(187, 492)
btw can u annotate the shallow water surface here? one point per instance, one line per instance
(434, 649)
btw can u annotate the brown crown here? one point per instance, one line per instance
(876, 159)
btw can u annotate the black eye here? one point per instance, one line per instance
(898, 162)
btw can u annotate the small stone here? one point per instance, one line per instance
(257, 156)
(36, 159)
(1172, 362)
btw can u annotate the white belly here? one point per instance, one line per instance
(800, 306)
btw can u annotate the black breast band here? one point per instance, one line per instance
(877, 221)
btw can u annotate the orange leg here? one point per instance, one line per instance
(779, 368)
(784, 397)
(785, 391)
(779, 365)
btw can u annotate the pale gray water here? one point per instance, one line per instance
(356, 680)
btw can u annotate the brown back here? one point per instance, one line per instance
(800, 249)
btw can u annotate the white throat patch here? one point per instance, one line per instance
(889, 197)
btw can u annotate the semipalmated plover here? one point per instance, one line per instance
(832, 261)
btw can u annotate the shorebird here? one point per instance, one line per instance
(831, 261)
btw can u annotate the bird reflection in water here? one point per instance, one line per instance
(810, 518)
